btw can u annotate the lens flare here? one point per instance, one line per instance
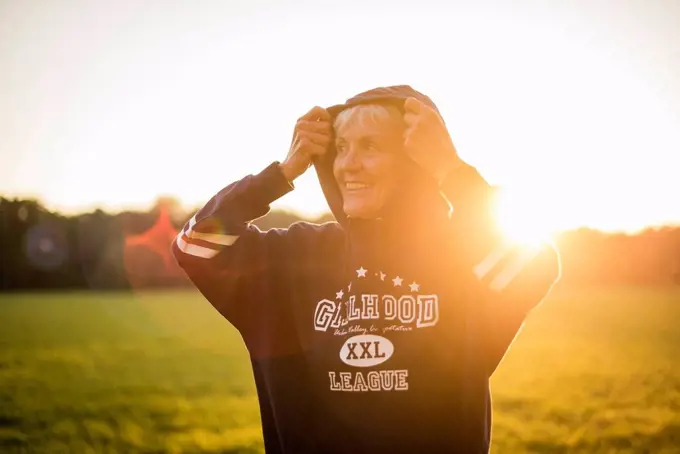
(147, 256)
(46, 246)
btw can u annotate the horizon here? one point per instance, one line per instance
(573, 110)
(189, 210)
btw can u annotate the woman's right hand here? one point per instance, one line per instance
(311, 137)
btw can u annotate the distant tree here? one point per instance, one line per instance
(97, 250)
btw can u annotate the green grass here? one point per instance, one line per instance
(594, 371)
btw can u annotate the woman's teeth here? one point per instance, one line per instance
(352, 186)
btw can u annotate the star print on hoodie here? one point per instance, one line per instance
(347, 313)
(369, 335)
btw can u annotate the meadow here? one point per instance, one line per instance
(594, 371)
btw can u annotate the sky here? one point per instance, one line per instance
(572, 107)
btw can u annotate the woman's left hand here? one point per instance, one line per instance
(427, 141)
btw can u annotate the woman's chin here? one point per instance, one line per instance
(360, 211)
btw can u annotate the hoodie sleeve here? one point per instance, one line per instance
(510, 279)
(243, 271)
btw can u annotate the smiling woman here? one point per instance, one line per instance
(370, 159)
(404, 279)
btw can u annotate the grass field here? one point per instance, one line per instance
(594, 371)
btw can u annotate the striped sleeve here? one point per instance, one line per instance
(221, 251)
(220, 223)
(203, 245)
(247, 273)
(515, 277)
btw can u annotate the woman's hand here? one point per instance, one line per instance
(427, 140)
(311, 136)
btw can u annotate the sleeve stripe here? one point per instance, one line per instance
(490, 261)
(195, 250)
(501, 274)
(503, 279)
(215, 238)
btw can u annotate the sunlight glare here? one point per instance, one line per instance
(521, 220)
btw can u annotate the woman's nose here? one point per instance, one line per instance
(350, 160)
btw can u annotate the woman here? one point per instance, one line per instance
(378, 332)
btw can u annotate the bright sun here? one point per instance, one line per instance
(520, 220)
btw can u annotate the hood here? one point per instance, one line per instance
(418, 193)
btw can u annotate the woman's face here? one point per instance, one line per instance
(370, 158)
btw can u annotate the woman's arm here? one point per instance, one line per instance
(512, 278)
(234, 264)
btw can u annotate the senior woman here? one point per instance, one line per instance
(379, 332)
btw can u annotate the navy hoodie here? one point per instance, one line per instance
(369, 336)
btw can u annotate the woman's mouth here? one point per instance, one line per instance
(352, 186)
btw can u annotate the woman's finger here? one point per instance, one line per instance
(315, 137)
(314, 126)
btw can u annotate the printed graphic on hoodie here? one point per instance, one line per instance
(368, 318)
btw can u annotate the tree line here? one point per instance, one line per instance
(43, 250)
